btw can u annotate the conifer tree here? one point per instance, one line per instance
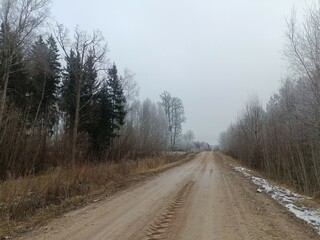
(19, 21)
(18, 90)
(117, 99)
(17, 85)
(68, 90)
(44, 81)
(108, 110)
(101, 131)
(89, 114)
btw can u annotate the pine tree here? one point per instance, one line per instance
(68, 89)
(109, 112)
(17, 85)
(89, 114)
(102, 108)
(18, 91)
(101, 132)
(54, 79)
(44, 80)
(117, 99)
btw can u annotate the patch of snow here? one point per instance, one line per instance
(243, 171)
(259, 190)
(286, 198)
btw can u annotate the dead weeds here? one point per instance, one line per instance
(309, 201)
(29, 201)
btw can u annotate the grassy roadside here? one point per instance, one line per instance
(235, 163)
(311, 202)
(30, 201)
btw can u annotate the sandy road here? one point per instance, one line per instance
(201, 199)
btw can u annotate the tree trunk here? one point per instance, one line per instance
(75, 124)
(4, 95)
(39, 106)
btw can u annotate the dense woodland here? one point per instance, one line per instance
(63, 101)
(283, 140)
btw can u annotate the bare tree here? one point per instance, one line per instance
(152, 129)
(178, 117)
(145, 130)
(187, 139)
(129, 85)
(174, 110)
(166, 100)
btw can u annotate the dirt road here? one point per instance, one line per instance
(202, 199)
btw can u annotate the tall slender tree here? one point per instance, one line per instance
(44, 80)
(117, 99)
(174, 110)
(89, 112)
(68, 89)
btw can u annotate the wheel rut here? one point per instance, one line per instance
(160, 227)
(202, 199)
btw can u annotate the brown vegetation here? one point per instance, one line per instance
(24, 202)
(283, 140)
(71, 127)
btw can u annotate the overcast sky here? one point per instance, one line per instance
(213, 54)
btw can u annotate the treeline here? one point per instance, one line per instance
(62, 102)
(284, 140)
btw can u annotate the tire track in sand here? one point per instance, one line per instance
(160, 227)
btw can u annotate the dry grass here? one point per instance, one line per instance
(312, 202)
(25, 202)
(236, 163)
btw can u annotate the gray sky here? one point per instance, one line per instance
(213, 54)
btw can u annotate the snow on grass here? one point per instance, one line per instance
(286, 198)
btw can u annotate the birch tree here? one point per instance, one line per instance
(174, 110)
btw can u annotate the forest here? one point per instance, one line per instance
(64, 102)
(283, 139)
(84, 156)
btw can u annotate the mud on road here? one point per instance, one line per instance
(201, 199)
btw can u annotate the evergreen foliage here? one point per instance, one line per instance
(102, 104)
(44, 83)
(68, 88)
(62, 111)
(118, 100)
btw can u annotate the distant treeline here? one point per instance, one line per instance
(284, 140)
